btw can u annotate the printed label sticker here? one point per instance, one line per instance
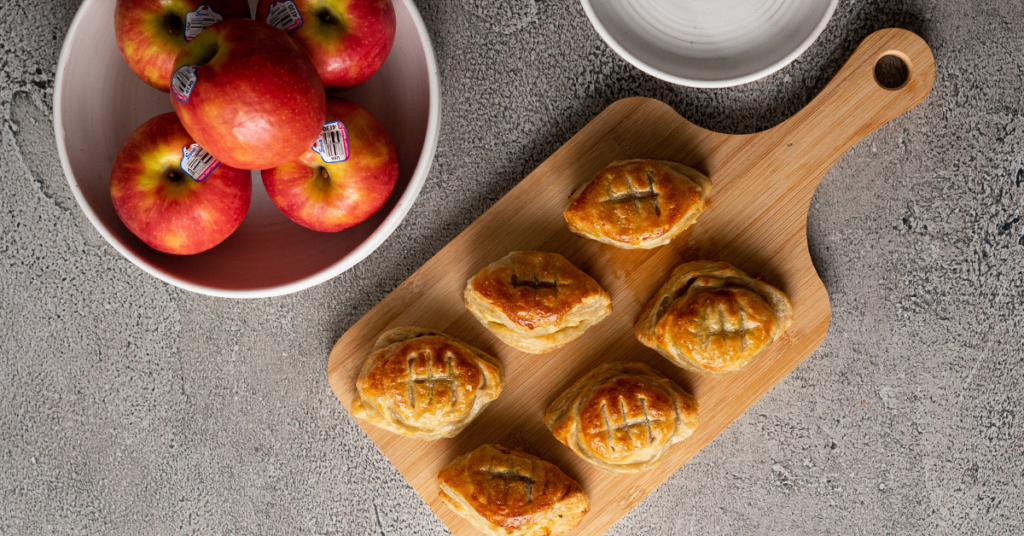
(197, 163)
(183, 81)
(284, 16)
(332, 145)
(202, 18)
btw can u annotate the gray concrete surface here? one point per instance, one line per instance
(131, 407)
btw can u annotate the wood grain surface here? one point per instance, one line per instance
(756, 219)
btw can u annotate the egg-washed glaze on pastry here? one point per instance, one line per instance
(505, 492)
(638, 204)
(535, 301)
(622, 417)
(424, 384)
(712, 318)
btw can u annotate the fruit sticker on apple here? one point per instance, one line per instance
(284, 16)
(183, 81)
(197, 163)
(202, 18)
(332, 145)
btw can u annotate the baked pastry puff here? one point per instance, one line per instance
(505, 492)
(536, 302)
(622, 417)
(638, 204)
(424, 384)
(711, 318)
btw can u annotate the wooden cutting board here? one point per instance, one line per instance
(756, 219)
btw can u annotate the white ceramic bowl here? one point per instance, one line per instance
(98, 102)
(709, 43)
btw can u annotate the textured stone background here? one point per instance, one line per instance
(131, 407)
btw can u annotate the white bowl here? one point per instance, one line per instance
(98, 102)
(709, 43)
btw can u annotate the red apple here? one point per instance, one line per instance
(248, 94)
(172, 194)
(344, 178)
(151, 33)
(347, 39)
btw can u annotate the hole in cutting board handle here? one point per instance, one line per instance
(892, 71)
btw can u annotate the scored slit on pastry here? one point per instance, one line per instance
(636, 197)
(535, 284)
(510, 476)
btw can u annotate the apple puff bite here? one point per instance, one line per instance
(712, 318)
(424, 384)
(505, 492)
(536, 302)
(638, 204)
(622, 417)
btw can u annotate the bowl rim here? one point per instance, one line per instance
(707, 83)
(363, 250)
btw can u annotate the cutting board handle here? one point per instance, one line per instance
(855, 103)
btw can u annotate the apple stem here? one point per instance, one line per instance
(327, 16)
(173, 23)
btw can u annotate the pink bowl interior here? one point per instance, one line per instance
(101, 102)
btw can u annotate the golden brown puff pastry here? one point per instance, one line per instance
(638, 204)
(535, 301)
(712, 318)
(622, 417)
(424, 384)
(505, 492)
